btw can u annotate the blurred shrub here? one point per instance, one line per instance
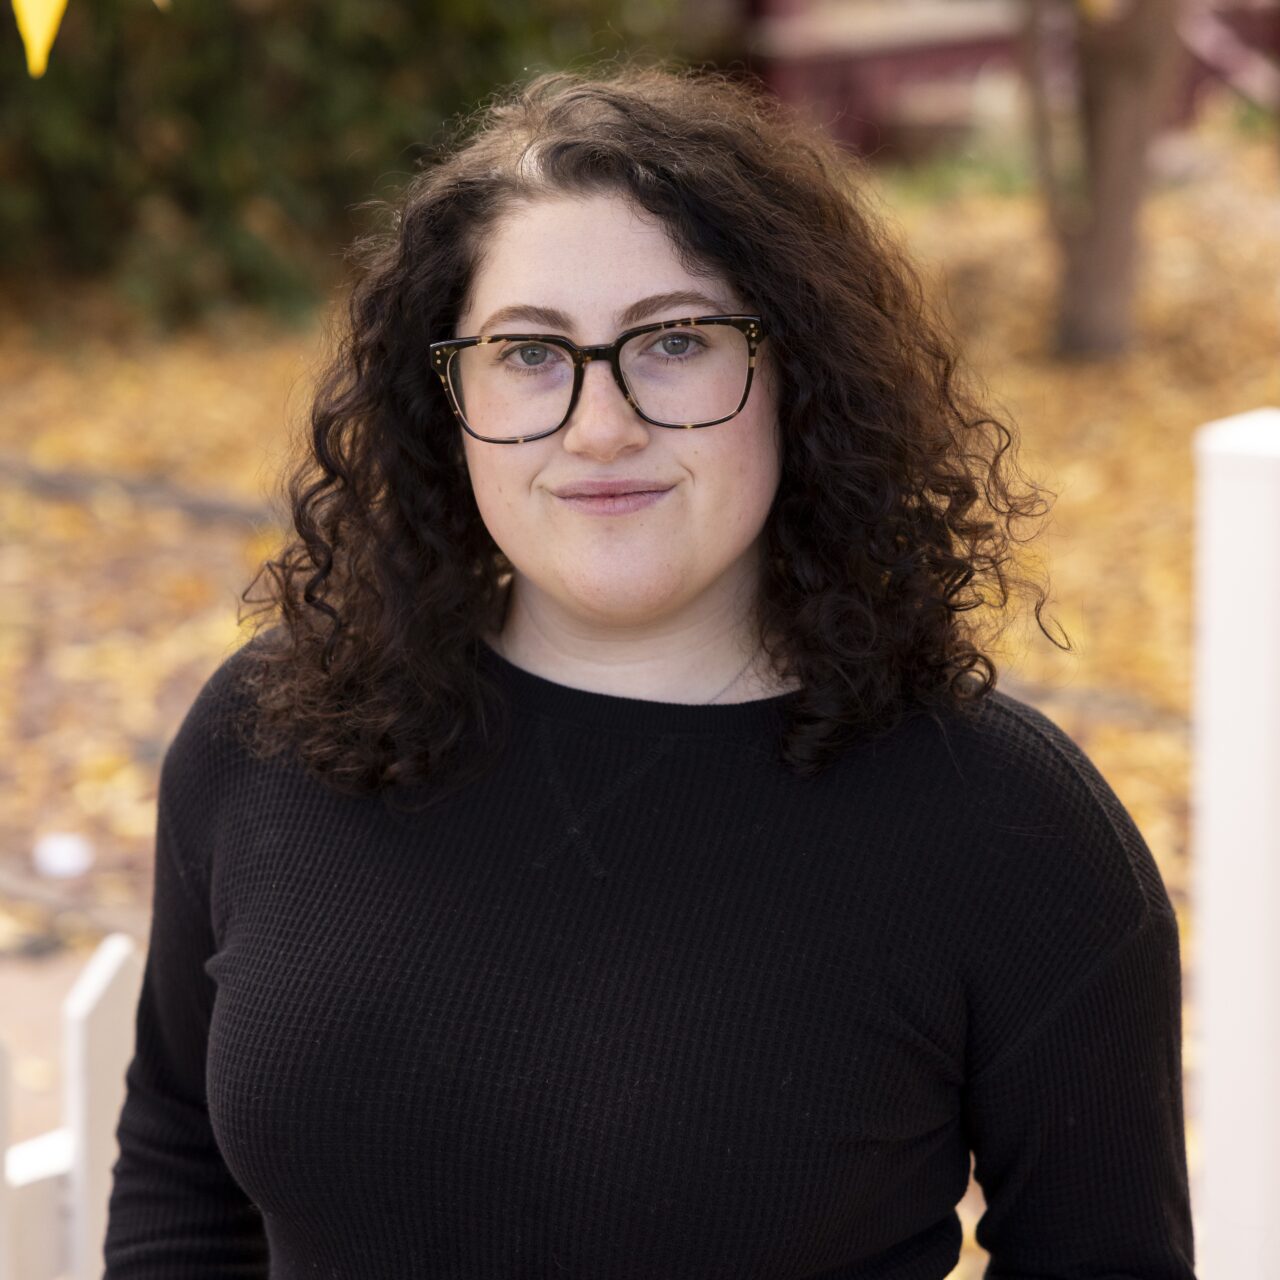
(211, 152)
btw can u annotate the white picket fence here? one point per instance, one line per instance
(53, 1201)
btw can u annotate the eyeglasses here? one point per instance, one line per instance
(507, 388)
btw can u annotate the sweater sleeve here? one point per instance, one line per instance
(175, 1211)
(1077, 1133)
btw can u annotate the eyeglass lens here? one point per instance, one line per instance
(508, 389)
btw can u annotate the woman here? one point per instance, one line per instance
(609, 864)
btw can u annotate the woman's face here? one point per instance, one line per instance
(693, 549)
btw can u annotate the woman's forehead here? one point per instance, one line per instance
(570, 262)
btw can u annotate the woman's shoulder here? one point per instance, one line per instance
(1041, 802)
(209, 743)
(1035, 779)
(1051, 871)
(1034, 866)
(1053, 882)
(224, 693)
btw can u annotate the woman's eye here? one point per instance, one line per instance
(529, 356)
(675, 344)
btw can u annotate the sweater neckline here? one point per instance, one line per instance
(539, 696)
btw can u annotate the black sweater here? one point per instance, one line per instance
(640, 1003)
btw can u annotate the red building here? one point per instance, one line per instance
(886, 77)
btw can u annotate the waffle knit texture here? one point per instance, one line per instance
(640, 1004)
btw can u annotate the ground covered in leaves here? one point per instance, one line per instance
(134, 510)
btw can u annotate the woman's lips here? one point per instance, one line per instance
(616, 504)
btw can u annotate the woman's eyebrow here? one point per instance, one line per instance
(628, 316)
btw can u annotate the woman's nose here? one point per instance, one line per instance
(603, 413)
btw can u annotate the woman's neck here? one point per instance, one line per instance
(740, 675)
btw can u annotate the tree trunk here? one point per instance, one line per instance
(1127, 56)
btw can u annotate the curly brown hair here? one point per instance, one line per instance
(895, 506)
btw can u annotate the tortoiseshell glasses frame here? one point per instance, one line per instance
(443, 352)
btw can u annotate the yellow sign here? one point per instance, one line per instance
(38, 22)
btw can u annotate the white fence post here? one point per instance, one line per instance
(7, 1260)
(1235, 864)
(97, 1028)
(53, 1197)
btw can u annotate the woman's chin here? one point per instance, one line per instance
(621, 599)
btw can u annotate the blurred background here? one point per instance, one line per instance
(1091, 190)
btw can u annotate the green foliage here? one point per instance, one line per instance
(214, 152)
